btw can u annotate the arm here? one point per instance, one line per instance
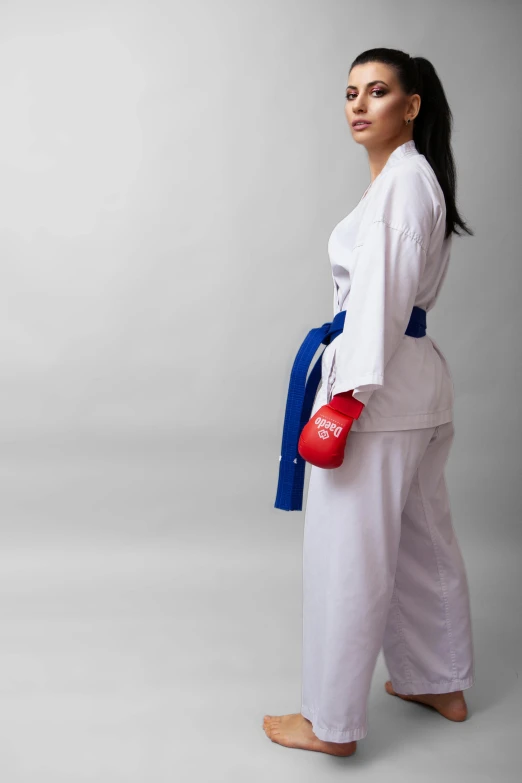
(390, 264)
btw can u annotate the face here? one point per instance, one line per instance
(374, 94)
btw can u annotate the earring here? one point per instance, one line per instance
(408, 122)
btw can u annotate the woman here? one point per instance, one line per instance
(382, 566)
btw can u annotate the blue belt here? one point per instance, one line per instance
(300, 400)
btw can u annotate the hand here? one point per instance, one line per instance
(323, 438)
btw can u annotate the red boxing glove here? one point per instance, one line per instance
(323, 438)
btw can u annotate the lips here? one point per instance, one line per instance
(361, 122)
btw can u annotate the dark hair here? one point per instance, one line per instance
(432, 125)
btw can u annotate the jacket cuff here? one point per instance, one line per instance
(345, 403)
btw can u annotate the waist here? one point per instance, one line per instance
(416, 325)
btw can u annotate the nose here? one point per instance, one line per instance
(357, 111)
(356, 107)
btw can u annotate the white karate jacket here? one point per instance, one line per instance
(388, 255)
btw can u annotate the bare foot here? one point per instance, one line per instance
(295, 731)
(450, 705)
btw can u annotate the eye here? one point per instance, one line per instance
(349, 94)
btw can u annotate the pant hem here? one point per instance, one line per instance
(332, 735)
(416, 687)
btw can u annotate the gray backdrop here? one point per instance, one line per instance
(169, 177)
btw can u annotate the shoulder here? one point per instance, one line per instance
(408, 200)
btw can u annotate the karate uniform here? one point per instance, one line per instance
(382, 565)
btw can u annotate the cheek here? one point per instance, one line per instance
(389, 110)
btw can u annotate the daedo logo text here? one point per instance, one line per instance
(327, 425)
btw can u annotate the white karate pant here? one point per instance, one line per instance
(382, 567)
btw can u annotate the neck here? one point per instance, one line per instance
(378, 156)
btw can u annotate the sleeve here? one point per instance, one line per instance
(390, 264)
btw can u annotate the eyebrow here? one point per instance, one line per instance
(370, 84)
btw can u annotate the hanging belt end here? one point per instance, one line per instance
(290, 485)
